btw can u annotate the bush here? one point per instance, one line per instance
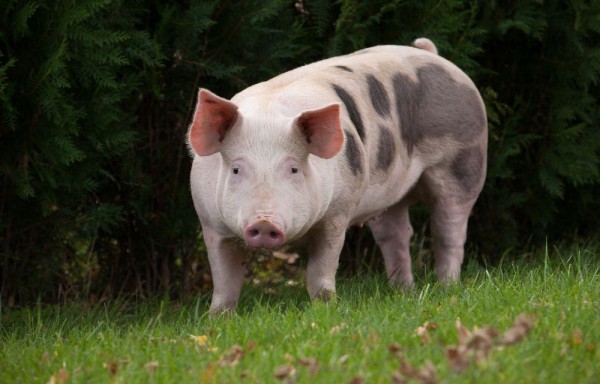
(96, 97)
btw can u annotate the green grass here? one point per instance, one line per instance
(140, 342)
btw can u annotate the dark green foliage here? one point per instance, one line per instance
(544, 66)
(96, 97)
(72, 75)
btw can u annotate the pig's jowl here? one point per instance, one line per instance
(349, 140)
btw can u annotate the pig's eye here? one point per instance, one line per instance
(235, 170)
(294, 170)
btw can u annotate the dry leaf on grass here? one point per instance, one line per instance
(406, 369)
(250, 346)
(311, 363)
(520, 328)
(472, 345)
(209, 373)
(476, 345)
(577, 337)
(356, 380)
(424, 375)
(284, 371)
(397, 378)
(423, 331)
(482, 341)
(395, 349)
(337, 328)
(459, 358)
(232, 357)
(46, 357)
(343, 359)
(289, 358)
(373, 338)
(59, 377)
(151, 366)
(289, 258)
(201, 340)
(427, 374)
(563, 350)
(113, 366)
(463, 333)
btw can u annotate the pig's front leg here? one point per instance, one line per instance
(326, 243)
(226, 259)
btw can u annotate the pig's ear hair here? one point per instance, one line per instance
(322, 130)
(213, 117)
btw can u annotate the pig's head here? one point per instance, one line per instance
(268, 188)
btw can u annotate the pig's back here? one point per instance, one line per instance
(359, 61)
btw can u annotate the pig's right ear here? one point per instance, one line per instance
(213, 117)
(322, 130)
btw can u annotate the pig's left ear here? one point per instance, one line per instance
(322, 130)
(213, 117)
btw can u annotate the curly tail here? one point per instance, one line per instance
(425, 44)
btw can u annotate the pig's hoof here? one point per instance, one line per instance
(324, 296)
(450, 282)
(221, 310)
(404, 283)
(404, 287)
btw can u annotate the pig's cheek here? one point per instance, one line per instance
(299, 206)
(295, 189)
(230, 202)
(296, 180)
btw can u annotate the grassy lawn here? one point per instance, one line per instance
(371, 334)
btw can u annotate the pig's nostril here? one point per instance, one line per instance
(264, 234)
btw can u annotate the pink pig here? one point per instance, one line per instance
(340, 142)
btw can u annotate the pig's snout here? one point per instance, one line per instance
(263, 234)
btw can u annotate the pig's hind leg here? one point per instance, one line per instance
(449, 218)
(392, 232)
(452, 192)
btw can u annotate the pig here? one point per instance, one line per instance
(344, 141)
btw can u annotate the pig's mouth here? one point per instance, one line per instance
(263, 231)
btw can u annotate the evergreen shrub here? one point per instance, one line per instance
(96, 96)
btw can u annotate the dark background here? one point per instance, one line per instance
(96, 97)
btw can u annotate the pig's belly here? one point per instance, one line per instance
(380, 196)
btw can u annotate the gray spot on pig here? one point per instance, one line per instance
(353, 154)
(352, 109)
(467, 168)
(386, 149)
(436, 105)
(408, 95)
(378, 95)
(344, 68)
